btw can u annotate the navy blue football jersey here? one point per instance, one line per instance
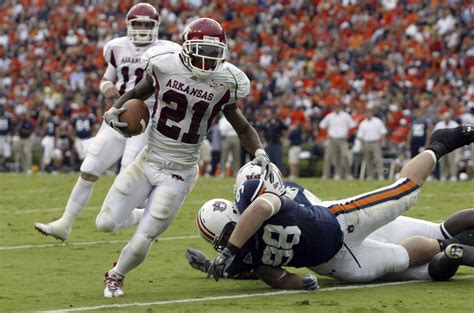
(418, 129)
(5, 125)
(51, 126)
(298, 235)
(83, 126)
(296, 192)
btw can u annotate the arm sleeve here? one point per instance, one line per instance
(110, 74)
(240, 86)
(111, 70)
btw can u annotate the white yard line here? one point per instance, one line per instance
(241, 296)
(29, 211)
(41, 210)
(89, 243)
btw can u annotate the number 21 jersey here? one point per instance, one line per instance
(185, 107)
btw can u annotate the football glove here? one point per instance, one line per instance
(261, 159)
(197, 259)
(310, 282)
(218, 267)
(111, 117)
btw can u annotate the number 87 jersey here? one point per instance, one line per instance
(185, 106)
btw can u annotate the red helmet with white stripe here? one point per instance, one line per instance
(142, 23)
(204, 47)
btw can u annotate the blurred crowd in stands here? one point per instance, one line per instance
(408, 63)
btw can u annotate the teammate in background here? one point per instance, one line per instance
(83, 125)
(419, 135)
(6, 131)
(48, 129)
(191, 87)
(124, 71)
(64, 154)
(331, 238)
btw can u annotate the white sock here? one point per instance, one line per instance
(132, 219)
(80, 195)
(130, 258)
(433, 155)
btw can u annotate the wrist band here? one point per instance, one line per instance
(103, 85)
(232, 248)
(259, 152)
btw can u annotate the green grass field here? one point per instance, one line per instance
(39, 273)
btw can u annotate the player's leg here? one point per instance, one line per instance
(104, 150)
(361, 215)
(365, 261)
(442, 142)
(403, 227)
(130, 188)
(444, 265)
(458, 228)
(133, 147)
(47, 147)
(420, 249)
(458, 222)
(163, 205)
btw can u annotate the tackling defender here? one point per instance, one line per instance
(274, 231)
(124, 70)
(191, 87)
(459, 227)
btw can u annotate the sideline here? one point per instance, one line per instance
(241, 296)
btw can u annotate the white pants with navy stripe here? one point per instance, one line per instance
(362, 259)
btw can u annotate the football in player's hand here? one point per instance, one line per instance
(136, 116)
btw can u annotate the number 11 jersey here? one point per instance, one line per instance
(186, 107)
(126, 57)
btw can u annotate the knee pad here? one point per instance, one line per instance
(104, 221)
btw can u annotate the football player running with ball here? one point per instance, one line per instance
(191, 87)
(124, 71)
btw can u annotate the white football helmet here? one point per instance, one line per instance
(213, 216)
(251, 171)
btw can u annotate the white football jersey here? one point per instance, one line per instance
(186, 107)
(126, 58)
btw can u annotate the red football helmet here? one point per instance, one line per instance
(142, 23)
(204, 47)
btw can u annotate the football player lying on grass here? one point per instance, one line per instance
(441, 267)
(332, 238)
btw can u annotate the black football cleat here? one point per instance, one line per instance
(466, 237)
(444, 141)
(460, 254)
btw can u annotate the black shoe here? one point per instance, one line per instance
(445, 140)
(466, 237)
(460, 254)
(468, 131)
